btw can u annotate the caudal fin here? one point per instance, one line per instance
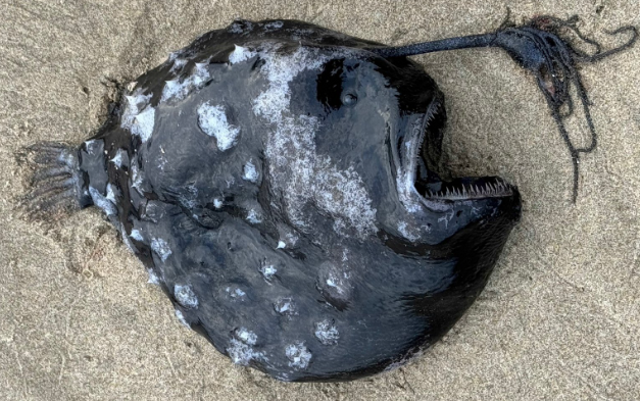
(56, 182)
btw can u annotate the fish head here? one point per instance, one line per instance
(380, 123)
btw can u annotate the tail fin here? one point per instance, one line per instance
(56, 183)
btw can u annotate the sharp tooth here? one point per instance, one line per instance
(448, 193)
(476, 190)
(464, 190)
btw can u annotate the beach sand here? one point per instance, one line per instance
(559, 320)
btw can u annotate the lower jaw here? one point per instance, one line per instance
(466, 189)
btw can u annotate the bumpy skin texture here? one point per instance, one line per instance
(272, 189)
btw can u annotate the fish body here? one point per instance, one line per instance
(281, 182)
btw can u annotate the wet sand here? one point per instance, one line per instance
(559, 320)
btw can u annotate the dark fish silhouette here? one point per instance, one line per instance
(282, 183)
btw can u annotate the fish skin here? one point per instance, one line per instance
(265, 188)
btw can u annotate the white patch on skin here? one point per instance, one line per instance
(446, 219)
(153, 278)
(178, 89)
(246, 336)
(334, 282)
(138, 116)
(161, 248)
(240, 54)
(242, 354)
(285, 306)
(331, 283)
(298, 171)
(299, 355)
(118, 158)
(212, 119)
(136, 179)
(145, 122)
(102, 202)
(174, 55)
(327, 332)
(274, 25)
(407, 192)
(237, 293)
(111, 194)
(237, 27)
(281, 245)
(404, 230)
(254, 217)
(181, 318)
(162, 161)
(217, 203)
(249, 173)
(125, 239)
(68, 159)
(92, 147)
(178, 63)
(185, 296)
(190, 198)
(291, 238)
(268, 271)
(136, 235)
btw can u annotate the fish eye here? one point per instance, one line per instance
(349, 99)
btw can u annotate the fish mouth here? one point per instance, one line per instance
(422, 167)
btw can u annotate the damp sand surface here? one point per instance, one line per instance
(559, 320)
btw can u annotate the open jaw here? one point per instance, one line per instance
(427, 182)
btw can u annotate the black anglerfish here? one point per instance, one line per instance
(283, 184)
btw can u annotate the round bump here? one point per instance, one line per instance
(268, 272)
(246, 336)
(326, 332)
(236, 293)
(334, 285)
(185, 296)
(349, 99)
(240, 347)
(161, 248)
(250, 173)
(286, 307)
(254, 217)
(299, 355)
